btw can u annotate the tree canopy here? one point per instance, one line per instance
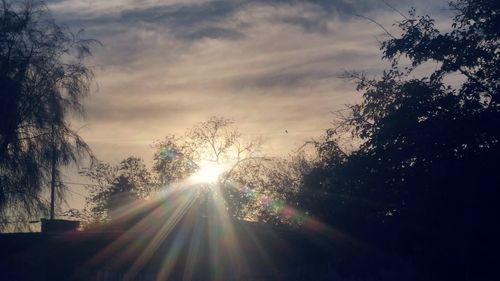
(215, 140)
(251, 185)
(218, 141)
(423, 180)
(115, 187)
(42, 80)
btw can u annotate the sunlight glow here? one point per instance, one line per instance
(208, 172)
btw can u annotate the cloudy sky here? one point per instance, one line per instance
(271, 65)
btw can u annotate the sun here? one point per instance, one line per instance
(208, 172)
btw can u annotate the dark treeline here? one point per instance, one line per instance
(424, 182)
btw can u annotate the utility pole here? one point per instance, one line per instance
(50, 225)
(53, 180)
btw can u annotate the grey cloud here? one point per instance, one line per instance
(129, 111)
(208, 32)
(183, 15)
(307, 24)
(286, 79)
(54, 1)
(189, 22)
(194, 21)
(340, 7)
(186, 21)
(306, 73)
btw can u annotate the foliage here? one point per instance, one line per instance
(173, 160)
(216, 140)
(253, 187)
(115, 187)
(42, 80)
(423, 180)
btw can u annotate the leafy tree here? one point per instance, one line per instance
(423, 181)
(256, 189)
(247, 178)
(42, 80)
(114, 188)
(216, 140)
(173, 160)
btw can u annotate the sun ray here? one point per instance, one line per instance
(187, 213)
(165, 229)
(222, 234)
(172, 255)
(168, 206)
(193, 255)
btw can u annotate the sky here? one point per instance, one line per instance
(272, 66)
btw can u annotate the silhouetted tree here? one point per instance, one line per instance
(257, 188)
(216, 140)
(114, 188)
(423, 182)
(173, 160)
(42, 79)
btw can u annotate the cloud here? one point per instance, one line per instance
(199, 19)
(118, 111)
(269, 64)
